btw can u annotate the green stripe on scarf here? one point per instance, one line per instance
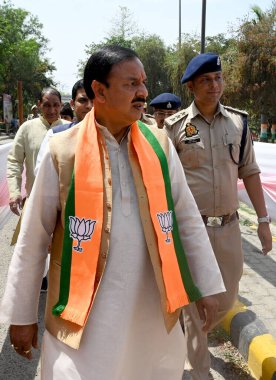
(192, 291)
(66, 252)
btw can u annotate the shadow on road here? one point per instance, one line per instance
(13, 366)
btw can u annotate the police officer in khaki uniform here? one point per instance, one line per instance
(165, 105)
(215, 148)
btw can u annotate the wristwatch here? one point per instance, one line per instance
(264, 219)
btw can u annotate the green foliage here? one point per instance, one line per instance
(152, 52)
(248, 60)
(250, 71)
(22, 51)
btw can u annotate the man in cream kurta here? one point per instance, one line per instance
(26, 145)
(125, 336)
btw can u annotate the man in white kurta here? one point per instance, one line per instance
(125, 336)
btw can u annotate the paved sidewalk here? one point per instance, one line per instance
(252, 322)
(258, 283)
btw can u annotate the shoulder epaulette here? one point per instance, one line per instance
(171, 120)
(150, 116)
(235, 110)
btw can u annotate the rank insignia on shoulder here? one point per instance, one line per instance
(171, 120)
(235, 110)
(191, 134)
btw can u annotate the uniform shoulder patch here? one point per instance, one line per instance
(235, 110)
(171, 120)
(149, 116)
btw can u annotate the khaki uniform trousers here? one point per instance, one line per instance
(226, 243)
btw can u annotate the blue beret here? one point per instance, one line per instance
(201, 64)
(166, 101)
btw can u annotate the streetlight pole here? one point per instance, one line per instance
(179, 35)
(203, 23)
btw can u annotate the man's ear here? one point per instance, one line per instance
(99, 90)
(190, 85)
(72, 103)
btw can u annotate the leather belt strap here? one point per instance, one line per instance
(218, 221)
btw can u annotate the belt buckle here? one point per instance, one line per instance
(214, 221)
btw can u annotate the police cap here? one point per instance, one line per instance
(201, 64)
(166, 101)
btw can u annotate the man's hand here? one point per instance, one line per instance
(23, 338)
(207, 309)
(265, 237)
(16, 204)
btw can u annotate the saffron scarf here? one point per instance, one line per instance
(83, 223)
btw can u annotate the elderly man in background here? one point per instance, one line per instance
(25, 149)
(80, 104)
(26, 145)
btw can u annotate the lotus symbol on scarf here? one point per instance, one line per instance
(166, 223)
(81, 230)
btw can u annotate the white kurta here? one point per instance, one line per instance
(125, 336)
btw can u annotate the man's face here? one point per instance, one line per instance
(50, 107)
(161, 114)
(124, 97)
(81, 105)
(207, 88)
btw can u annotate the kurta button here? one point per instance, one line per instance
(108, 205)
(109, 181)
(104, 255)
(107, 230)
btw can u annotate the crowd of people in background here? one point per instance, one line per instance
(170, 258)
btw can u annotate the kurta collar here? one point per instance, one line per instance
(47, 124)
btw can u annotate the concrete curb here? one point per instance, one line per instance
(251, 337)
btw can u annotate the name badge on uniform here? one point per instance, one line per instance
(191, 134)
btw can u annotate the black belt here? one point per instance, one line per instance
(218, 221)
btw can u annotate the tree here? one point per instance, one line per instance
(150, 48)
(22, 51)
(250, 64)
(123, 25)
(122, 30)
(153, 53)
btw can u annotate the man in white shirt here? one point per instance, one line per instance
(119, 331)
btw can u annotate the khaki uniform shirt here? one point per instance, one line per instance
(210, 171)
(25, 149)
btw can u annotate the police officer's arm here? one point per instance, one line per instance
(254, 190)
(249, 173)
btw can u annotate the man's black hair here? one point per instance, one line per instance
(101, 62)
(49, 90)
(77, 86)
(67, 110)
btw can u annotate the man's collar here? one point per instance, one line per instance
(193, 111)
(45, 122)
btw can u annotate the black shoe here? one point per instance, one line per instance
(44, 285)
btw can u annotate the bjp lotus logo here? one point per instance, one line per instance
(166, 223)
(81, 230)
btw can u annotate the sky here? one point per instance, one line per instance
(72, 24)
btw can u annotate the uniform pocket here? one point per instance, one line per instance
(231, 142)
(191, 155)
